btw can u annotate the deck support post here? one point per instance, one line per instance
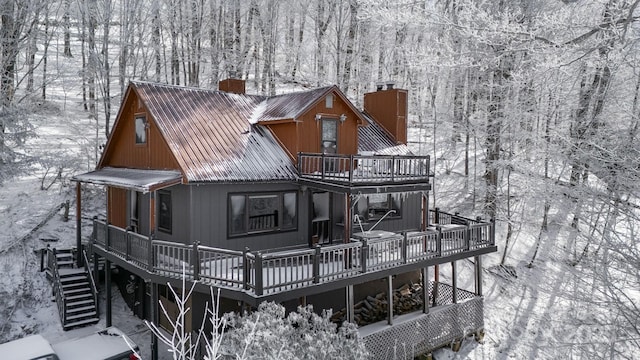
(454, 281)
(425, 290)
(155, 318)
(478, 271)
(390, 299)
(107, 285)
(349, 303)
(436, 281)
(79, 223)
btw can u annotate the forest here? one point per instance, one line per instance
(530, 110)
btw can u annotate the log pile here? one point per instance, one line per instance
(406, 299)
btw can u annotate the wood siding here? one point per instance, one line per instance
(122, 150)
(304, 134)
(117, 203)
(389, 109)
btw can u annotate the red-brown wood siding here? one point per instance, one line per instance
(304, 135)
(389, 109)
(117, 206)
(122, 150)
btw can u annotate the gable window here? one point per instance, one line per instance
(141, 129)
(329, 141)
(375, 206)
(328, 101)
(164, 211)
(258, 213)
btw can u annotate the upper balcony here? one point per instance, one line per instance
(406, 172)
(300, 271)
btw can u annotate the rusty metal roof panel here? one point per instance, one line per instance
(289, 106)
(372, 138)
(211, 135)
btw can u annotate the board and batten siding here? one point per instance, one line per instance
(304, 134)
(209, 218)
(122, 148)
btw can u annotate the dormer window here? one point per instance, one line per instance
(329, 101)
(141, 129)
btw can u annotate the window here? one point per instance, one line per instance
(329, 141)
(164, 211)
(256, 213)
(375, 206)
(328, 101)
(141, 129)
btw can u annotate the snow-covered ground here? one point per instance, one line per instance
(548, 311)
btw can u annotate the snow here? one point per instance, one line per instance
(27, 348)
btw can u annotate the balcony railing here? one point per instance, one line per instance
(278, 271)
(363, 169)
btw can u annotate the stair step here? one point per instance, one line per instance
(71, 292)
(73, 278)
(73, 286)
(80, 316)
(71, 304)
(69, 325)
(84, 309)
(78, 297)
(70, 272)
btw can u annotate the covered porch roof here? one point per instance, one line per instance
(131, 179)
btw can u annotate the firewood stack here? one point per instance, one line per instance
(406, 299)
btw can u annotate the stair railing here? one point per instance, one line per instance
(57, 289)
(94, 289)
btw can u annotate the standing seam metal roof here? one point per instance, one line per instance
(210, 134)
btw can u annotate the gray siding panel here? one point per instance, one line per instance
(180, 216)
(209, 220)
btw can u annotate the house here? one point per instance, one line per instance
(298, 198)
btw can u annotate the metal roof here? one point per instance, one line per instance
(133, 179)
(212, 136)
(373, 138)
(290, 106)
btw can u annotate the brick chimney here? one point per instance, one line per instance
(231, 85)
(389, 107)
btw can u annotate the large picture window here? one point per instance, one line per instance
(164, 211)
(256, 213)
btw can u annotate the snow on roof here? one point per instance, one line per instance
(374, 139)
(27, 348)
(134, 179)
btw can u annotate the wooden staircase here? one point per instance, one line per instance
(74, 288)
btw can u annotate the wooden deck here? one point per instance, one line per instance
(277, 271)
(363, 169)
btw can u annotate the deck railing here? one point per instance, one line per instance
(363, 168)
(267, 273)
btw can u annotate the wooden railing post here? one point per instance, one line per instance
(246, 270)
(404, 248)
(259, 277)
(393, 168)
(195, 259)
(439, 242)
(107, 242)
(467, 238)
(299, 163)
(351, 168)
(316, 264)
(492, 232)
(322, 166)
(436, 216)
(150, 254)
(127, 240)
(364, 251)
